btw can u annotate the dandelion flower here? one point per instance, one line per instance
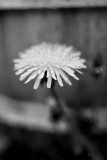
(51, 60)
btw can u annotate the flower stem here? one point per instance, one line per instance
(75, 132)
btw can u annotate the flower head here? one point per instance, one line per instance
(52, 60)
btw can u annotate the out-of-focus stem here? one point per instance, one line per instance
(75, 132)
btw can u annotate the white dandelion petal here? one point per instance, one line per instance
(22, 70)
(42, 74)
(19, 66)
(48, 72)
(24, 75)
(56, 70)
(79, 71)
(37, 82)
(53, 59)
(74, 76)
(58, 77)
(49, 81)
(32, 76)
(64, 77)
(75, 55)
(68, 70)
(59, 80)
(40, 70)
(53, 74)
(16, 60)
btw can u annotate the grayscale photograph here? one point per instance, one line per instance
(53, 79)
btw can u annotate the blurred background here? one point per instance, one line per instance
(26, 130)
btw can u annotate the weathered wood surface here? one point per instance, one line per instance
(85, 29)
(25, 4)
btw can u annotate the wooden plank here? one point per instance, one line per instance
(4, 63)
(26, 4)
